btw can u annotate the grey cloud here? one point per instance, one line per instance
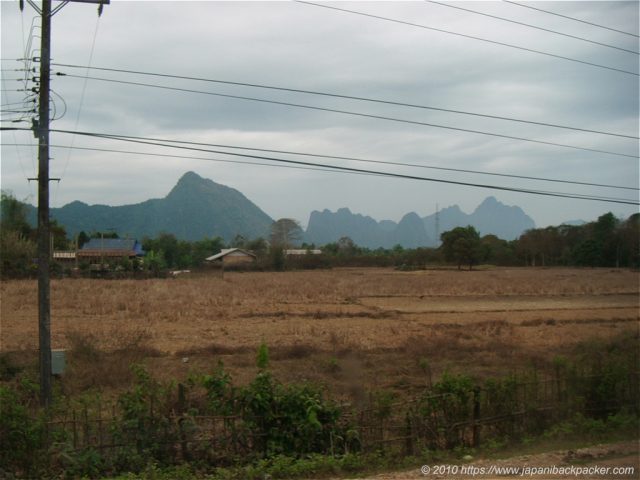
(305, 47)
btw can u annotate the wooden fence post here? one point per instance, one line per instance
(476, 416)
(100, 439)
(75, 432)
(181, 433)
(408, 431)
(86, 428)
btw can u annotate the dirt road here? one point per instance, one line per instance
(610, 461)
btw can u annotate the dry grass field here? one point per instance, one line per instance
(353, 330)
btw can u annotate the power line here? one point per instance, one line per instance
(358, 114)
(350, 169)
(186, 157)
(156, 142)
(571, 18)
(18, 103)
(348, 97)
(335, 157)
(472, 37)
(84, 89)
(448, 5)
(13, 134)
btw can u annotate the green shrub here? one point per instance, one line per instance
(288, 420)
(22, 431)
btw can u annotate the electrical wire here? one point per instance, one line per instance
(82, 95)
(385, 174)
(347, 169)
(17, 103)
(571, 18)
(186, 157)
(347, 97)
(64, 104)
(448, 5)
(13, 133)
(363, 160)
(472, 37)
(17, 111)
(358, 114)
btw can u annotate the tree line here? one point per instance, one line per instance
(606, 242)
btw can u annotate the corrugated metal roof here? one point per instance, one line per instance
(228, 251)
(106, 253)
(110, 244)
(119, 245)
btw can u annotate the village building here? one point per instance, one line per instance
(66, 258)
(105, 250)
(232, 256)
(303, 251)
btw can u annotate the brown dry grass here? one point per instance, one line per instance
(351, 329)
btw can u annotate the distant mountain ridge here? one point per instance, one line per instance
(197, 208)
(194, 209)
(326, 227)
(490, 217)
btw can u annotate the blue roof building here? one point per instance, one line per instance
(111, 247)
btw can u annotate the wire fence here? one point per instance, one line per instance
(463, 415)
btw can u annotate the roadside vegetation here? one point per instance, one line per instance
(211, 427)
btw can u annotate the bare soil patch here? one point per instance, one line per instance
(615, 455)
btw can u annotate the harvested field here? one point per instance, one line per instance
(351, 329)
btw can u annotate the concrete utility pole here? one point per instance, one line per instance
(41, 130)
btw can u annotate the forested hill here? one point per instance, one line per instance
(198, 208)
(194, 209)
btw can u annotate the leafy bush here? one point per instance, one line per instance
(145, 422)
(22, 432)
(288, 420)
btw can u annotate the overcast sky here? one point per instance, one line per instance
(300, 46)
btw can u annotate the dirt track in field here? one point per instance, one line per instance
(343, 327)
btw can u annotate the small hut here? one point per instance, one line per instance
(232, 256)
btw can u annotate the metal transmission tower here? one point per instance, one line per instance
(41, 131)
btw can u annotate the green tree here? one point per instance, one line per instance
(629, 234)
(606, 234)
(239, 241)
(285, 233)
(83, 238)
(205, 248)
(176, 254)
(58, 235)
(13, 215)
(277, 258)
(258, 246)
(346, 246)
(496, 251)
(17, 253)
(17, 245)
(461, 245)
(154, 261)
